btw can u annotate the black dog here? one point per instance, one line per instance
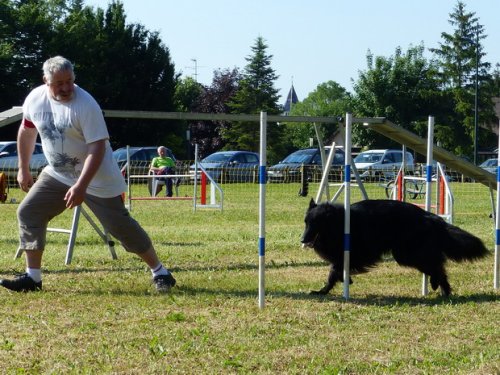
(416, 238)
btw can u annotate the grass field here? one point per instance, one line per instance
(102, 316)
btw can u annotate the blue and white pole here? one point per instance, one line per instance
(347, 203)
(262, 207)
(129, 189)
(428, 185)
(496, 271)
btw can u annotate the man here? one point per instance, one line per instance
(163, 165)
(80, 169)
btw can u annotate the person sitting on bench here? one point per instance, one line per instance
(163, 165)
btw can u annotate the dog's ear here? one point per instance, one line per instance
(312, 204)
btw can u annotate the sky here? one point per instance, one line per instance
(311, 42)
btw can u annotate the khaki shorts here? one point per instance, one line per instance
(45, 200)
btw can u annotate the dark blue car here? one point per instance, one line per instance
(289, 169)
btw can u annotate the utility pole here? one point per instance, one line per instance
(195, 69)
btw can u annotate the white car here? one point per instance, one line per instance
(376, 164)
(9, 162)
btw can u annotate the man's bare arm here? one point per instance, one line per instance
(26, 139)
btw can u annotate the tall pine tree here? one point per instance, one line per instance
(458, 55)
(256, 93)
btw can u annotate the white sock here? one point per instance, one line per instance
(159, 270)
(35, 274)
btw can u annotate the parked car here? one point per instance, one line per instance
(231, 166)
(140, 158)
(490, 165)
(9, 161)
(289, 169)
(376, 164)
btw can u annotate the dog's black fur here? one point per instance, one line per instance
(416, 238)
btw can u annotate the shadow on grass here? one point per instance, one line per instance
(84, 270)
(197, 268)
(368, 300)
(168, 244)
(249, 266)
(430, 300)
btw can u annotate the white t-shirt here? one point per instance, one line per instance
(65, 130)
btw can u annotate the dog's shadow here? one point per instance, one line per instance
(367, 300)
(379, 300)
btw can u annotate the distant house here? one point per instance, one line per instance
(291, 99)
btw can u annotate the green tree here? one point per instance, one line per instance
(328, 99)
(457, 56)
(124, 66)
(9, 85)
(187, 96)
(256, 93)
(26, 28)
(214, 99)
(494, 85)
(403, 88)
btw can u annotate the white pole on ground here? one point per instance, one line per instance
(195, 181)
(324, 177)
(496, 271)
(324, 164)
(212, 194)
(428, 186)
(129, 190)
(347, 203)
(262, 207)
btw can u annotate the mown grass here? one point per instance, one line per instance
(101, 316)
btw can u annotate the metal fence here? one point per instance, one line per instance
(10, 168)
(301, 180)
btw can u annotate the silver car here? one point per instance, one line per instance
(377, 164)
(9, 160)
(231, 166)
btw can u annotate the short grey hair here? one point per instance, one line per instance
(56, 64)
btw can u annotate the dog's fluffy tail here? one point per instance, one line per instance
(463, 245)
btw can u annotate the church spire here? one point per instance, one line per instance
(291, 99)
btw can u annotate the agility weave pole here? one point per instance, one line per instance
(347, 204)
(262, 207)
(428, 187)
(496, 271)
